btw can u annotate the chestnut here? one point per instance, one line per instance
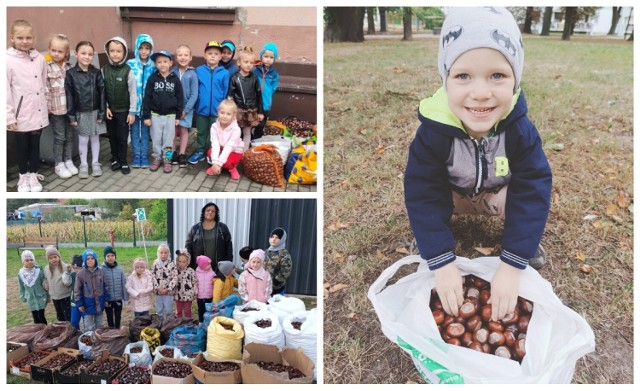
(509, 338)
(467, 338)
(473, 292)
(486, 312)
(477, 346)
(448, 319)
(459, 319)
(511, 318)
(438, 316)
(519, 350)
(480, 283)
(523, 323)
(525, 305)
(481, 335)
(495, 326)
(455, 330)
(454, 341)
(474, 323)
(437, 304)
(496, 339)
(467, 310)
(502, 351)
(484, 296)
(486, 348)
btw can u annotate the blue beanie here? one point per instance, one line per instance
(86, 253)
(271, 46)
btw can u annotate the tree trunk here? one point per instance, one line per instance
(569, 22)
(344, 24)
(546, 22)
(383, 19)
(528, 19)
(615, 18)
(630, 37)
(371, 26)
(407, 34)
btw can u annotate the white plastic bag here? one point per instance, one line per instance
(557, 336)
(177, 353)
(240, 315)
(272, 335)
(285, 305)
(306, 338)
(143, 358)
(86, 350)
(282, 144)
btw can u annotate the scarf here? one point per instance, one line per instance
(29, 276)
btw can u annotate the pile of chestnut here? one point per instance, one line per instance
(176, 369)
(473, 327)
(271, 366)
(135, 375)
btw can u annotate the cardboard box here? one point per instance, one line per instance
(87, 378)
(23, 370)
(17, 354)
(157, 379)
(70, 379)
(46, 375)
(255, 352)
(203, 377)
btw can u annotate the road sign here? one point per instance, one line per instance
(140, 215)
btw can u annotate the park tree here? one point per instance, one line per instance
(528, 20)
(344, 24)
(615, 18)
(407, 34)
(570, 15)
(383, 19)
(546, 21)
(371, 25)
(433, 17)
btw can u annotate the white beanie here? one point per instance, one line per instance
(467, 28)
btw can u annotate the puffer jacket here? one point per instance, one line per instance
(255, 285)
(139, 290)
(85, 92)
(91, 291)
(26, 90)
(116, 281)
(205, 283)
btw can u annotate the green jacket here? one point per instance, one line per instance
(35, 296)
(278, 264)
(118, 81)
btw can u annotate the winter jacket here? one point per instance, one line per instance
(59, 282)
(255, 285)
(26, 90)
(187, 288)
(213, 85)
(268, 78)
(35, 296)
(139, 290)
(56, 98)
(205, 283)
(278, 264)
(229, 138)
(91, 291)
(189, 81)
(163, 96)
(116, 281)
(224, 246)
(85, 92)
(141, 71)
(119, 82)
(245, 91)
(442, 158)
(223, 289)
(165, 276)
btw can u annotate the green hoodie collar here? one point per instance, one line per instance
(436, 108)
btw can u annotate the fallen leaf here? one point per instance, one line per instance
(484, 250)
(326, 285)
(352, 316)
(337, 287)
(339, 257)
(586, 268)
(622, 200)
(616, 218)
(337, 225)
(402, 250)
(596, 224)
(363, 132)
(399, 70)
(379, 254)
(611, 209)
(326, 293)
(590, 217)
(580, 256)
(379, 149)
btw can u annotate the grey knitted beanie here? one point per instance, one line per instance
(467, 28)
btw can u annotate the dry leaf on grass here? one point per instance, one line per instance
(580, 256)
(363, 132)
(337, 225)
(379, 254)
(339, 257)
(596, 224)
(352, 316)
(326, 285)
(586, 268)
(337, 287)
(399, 70)
(590, 217)
(611, 209)
(484, 250)
(402, 250)
(379, 149)
(622, 200)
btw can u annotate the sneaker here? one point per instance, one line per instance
(136, 162)
(209, 161)
(125, 169)
(62, 172)
(182, 160)
(235, 175)
(71, 167)
(156, 164)
(196, 157)
(23, 183)
(34, 182)
(167, 166)
(144, 162)
(115, 165)
(175, 160)
(539, 259)
(83, 173)
(95, 169)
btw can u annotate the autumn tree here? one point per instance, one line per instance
(546, 21)
(569, 21)
(344, 24)
(383, 19)
(615, 18)
(407, 34)
(371, 26)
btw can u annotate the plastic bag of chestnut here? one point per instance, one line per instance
(555, 338)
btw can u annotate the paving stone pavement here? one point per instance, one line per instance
(192, 178)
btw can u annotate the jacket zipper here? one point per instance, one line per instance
(481, 164)
(244, 102)
(18, 109)
(211, 95)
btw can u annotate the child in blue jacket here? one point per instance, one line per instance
(477, 152)
(268, 82)
(91, 291)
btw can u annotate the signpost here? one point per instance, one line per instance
(141, 216)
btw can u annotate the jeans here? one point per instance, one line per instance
(140, 138)
(164, 306)
(62, 138)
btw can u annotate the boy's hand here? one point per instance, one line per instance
(260, 117)
(504, 291)
(449, 288)
(12, 127)
(147, 122)
(177, 121)
(184, 113)
(108, 114)
(74, 124)
(131, 119)
(81, 308)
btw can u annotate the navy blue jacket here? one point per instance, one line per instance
(428, 192)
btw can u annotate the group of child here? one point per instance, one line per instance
(85, 290)
(143, 98)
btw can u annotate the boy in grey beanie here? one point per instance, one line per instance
(477, 152)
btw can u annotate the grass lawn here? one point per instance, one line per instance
(580, 95)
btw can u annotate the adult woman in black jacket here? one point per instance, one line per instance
(210, 237)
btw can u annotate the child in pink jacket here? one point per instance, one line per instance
(139, 286)
(204, 275)
(226, 141)
(255, 282)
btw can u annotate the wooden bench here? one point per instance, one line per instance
(37, 242)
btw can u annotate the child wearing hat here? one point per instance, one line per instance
(224, 281)
(204, 275)
(116, 284)
(32, 292)
(213, 84)
(255, 282)
(76, 315)
(269, 78)
(91, 291)
(139, 287)
(58, 283)
(477, 152)
(162, 109)
(278, 260)
(187, 288)
(241, 262)
(228, 52)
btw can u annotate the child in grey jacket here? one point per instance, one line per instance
(116, 282)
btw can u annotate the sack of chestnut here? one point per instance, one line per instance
(540, 343)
